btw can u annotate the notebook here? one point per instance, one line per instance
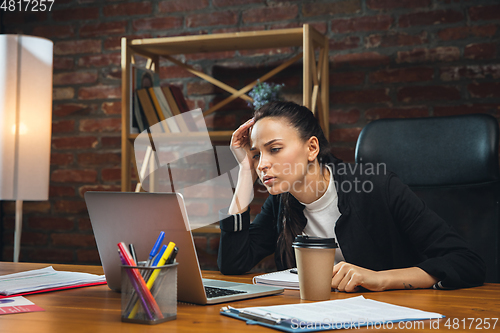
(284, 279)
(138, 218)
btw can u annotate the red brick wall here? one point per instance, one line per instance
(388, 58)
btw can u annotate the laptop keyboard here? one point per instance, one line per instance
(218, 292)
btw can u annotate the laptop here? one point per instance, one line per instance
(138, 218)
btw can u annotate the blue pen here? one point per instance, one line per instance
(156, 260)
(156, 247)
(158, 257)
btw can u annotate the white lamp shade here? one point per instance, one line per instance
(25, 117)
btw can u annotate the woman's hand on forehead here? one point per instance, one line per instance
(240, 144)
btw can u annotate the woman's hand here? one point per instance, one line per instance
(349, 278)
(240, 145)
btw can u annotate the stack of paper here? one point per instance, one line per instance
(283, 279)
(45, 279)
(354, 312)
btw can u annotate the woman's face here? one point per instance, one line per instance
(279, 155)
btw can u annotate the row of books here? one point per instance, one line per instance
(151, 104)
(159, 104)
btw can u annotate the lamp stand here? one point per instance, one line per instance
(18, 230)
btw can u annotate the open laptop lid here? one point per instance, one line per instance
(138, 218)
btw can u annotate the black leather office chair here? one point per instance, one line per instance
(451, 163)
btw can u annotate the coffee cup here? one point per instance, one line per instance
(315, 257)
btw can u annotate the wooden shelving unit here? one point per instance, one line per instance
(315, 71)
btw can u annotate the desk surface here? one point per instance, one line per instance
(97, 309)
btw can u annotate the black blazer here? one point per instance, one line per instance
(385, 226)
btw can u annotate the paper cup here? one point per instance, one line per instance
(315, 258)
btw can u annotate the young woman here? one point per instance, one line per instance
(388, 238)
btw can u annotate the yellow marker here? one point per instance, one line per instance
(153, 277)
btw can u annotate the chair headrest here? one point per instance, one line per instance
(434, 151)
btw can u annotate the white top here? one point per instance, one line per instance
(322, 215)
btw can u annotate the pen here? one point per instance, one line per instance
(134, 257)
(126, 253)
(156, 260)
(171, 259)
(155, 248)
(159, 255)
(132, 252)
(154, 264)
(154, 275)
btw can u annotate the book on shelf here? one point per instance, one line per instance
(183, 108)
(156, 104)
(134, 126)
(162, 101)
(179, 98)
(174, 108)
(140, 78)
(163, 109)
(166, 110)
(151, 104)
(171, 100)
(138, 115)
(149, 109)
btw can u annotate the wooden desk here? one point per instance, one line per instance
(97, 309)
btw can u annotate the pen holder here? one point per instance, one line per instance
(152, 300)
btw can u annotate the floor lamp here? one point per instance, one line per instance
(25, 122)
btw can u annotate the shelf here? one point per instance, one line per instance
(315, 73)
(219, 42)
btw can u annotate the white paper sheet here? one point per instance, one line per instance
(44, 278)
(350, 310)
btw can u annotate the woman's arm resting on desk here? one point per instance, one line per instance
(348, 277)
